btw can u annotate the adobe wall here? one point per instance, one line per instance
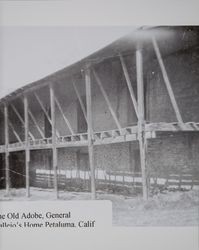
(42, 159)
(183, 72)
(174, 154)
(114, 83)
(169, 153)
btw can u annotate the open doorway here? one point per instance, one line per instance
(17, 170)
(2, 172)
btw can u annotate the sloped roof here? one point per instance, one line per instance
(31, 53)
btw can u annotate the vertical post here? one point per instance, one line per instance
(27, 150)
(6, 148)
(90, 129)
(54, 149)
(141, 121)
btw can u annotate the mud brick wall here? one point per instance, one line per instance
(67, 158)
(42, 159)
(183, 72)
(177, 153)
(114, 157)
(114, 83)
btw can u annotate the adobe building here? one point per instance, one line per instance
(124, 117)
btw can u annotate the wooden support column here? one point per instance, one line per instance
(141, 122)
(27, 149)
(7, 167)
(54, 148)
(90, 129)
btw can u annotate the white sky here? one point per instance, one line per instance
(30, 53)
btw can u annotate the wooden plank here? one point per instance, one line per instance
(21, 119)
(90, 129)
(54, 149)
(80, 100)
(63, 115)
(27, 150)
(44, 110)
(36, 124)
(107, 99)
(141, 122)
(167, 82)
(7, 165)
(128, 81)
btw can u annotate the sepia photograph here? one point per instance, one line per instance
(102, 113)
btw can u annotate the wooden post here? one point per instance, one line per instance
(90, 129)
(54, 149)
(6, 149)
(141, 121)
(27, 150)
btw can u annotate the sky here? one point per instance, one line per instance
(29, 53)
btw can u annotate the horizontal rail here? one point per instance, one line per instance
(126, 134)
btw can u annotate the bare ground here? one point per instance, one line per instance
(168, 209)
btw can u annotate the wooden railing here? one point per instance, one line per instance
(104, 137)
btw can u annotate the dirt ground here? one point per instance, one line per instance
(169, 209)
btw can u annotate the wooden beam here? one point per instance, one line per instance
(80, 100)
(36, 124)
(44, 110)
(167, 81)
(141, 122)
(107, 100)
(128, 81)
(21, 119)
(27, 150)
(42, 107)
(7, 165)
(63, 115)
(90, 129)
(14, 132)
(13, 129)
(54, 148)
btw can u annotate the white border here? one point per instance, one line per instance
(99, 12)
(108, 13)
